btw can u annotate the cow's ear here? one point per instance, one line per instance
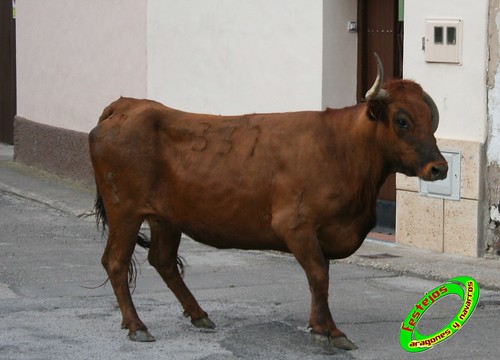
(377, 110)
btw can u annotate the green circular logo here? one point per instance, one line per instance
(465, 288)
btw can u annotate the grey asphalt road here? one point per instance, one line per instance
(50, 260)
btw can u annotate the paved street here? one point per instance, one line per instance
(50, 260)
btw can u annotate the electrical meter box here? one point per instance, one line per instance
(443, 41)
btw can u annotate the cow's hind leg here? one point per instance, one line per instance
(162, 256)
(116, 259)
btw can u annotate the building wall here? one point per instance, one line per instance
(74, 57)
(459, 90)
(227, 57)
(214, 56)
(461, 95)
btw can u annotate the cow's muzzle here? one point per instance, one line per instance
(436, 170)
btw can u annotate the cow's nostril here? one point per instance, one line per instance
(439, 172)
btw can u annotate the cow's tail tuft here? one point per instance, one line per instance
(100, 212)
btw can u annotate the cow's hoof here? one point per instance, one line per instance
(341, 342)
(141, 336)
(203, 323)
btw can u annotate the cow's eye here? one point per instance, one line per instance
(402, 123)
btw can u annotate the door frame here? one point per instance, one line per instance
(8, 98)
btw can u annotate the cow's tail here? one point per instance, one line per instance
(142, 240)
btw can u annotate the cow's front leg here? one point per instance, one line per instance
(306, 248)
(321, 320)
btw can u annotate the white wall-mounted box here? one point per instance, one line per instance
(448, 188)
(443, 40)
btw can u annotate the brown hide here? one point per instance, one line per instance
(302, 182)
(229, 181)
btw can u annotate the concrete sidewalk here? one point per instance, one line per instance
(75, 199)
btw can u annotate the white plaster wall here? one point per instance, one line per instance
(74, 57)
(459, 90)
(230, 57)
(340, 54)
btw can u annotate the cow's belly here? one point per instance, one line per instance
(222, 217)
(234, 240)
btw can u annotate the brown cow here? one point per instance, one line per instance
(302, 182)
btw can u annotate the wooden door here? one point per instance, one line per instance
(7, 71)
(380, 31)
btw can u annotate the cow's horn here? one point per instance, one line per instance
(434, 111)
(376, 92)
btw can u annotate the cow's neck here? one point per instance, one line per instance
(362, 153)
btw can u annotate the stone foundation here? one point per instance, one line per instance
(445, 225)
(59, 151)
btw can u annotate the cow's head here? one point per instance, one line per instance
(408, 119)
